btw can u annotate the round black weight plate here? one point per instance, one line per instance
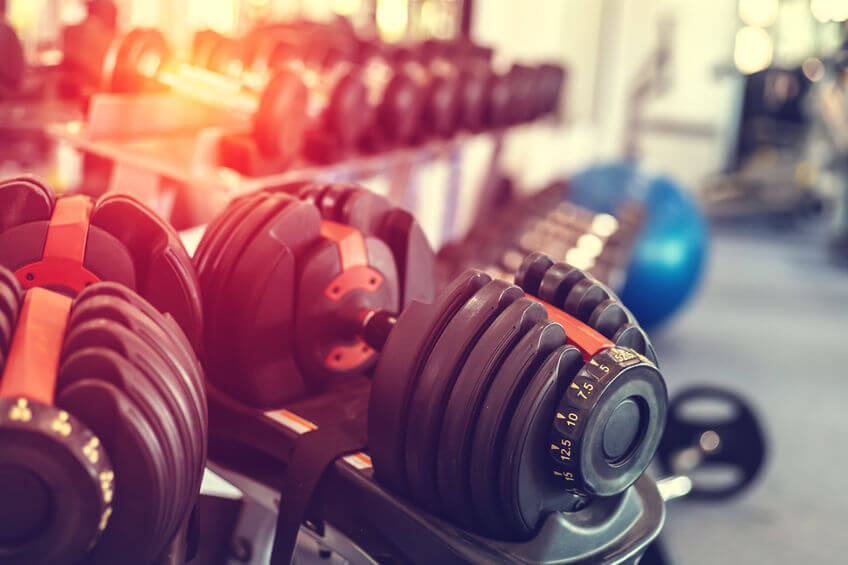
(428, 401)
(609, 316)
(110, 367)
(142, 487)
(724, 429)
(486, 449)
(6, 332)
(55, 484)
(163, 393)
(558, 282)
(120, 311)
(532, 269)
(281, 120)
(584, 297)
(413, 254)
(405, 352)
(611, 419)
(345, 115)
(527, 490)
(12, 63)
(466, 402)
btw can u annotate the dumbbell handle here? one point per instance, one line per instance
(200, 84)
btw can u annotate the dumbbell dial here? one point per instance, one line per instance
(608, 424)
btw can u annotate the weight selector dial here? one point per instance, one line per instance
(608, 423)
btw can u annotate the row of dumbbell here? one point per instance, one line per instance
(547, 222)
(490, 404)
(307, 88)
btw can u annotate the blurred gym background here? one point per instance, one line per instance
(724, 120)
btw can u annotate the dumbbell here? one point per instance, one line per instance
(102, 427)
(488, 407)
(336, 92)
(141, 61)
(66, 244)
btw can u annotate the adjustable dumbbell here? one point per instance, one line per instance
(488, 407)
(102, 428)
(141, 61)
(68, 243)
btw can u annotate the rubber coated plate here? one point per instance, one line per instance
(634, 337)
(558, 282)
(142, 483)
(466, 401)
(6, 332)
(609, 316)
(282, 117)
(117, 310)
(405, 352)
(12, 63)
(428, 400)
(585, 297)
(9, 280)
(23, 200)
(527, 489)
(230, 253)
(169, 327)
(501, 399)
(149, 395)
(10, 300)
(530, 273)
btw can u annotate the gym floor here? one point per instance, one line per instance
(770, 322)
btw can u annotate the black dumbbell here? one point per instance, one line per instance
(488, 407)
(66, 244)
(102, 426)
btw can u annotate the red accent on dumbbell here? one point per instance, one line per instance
(33, 362)
(356, 274)
(577, 333)
(62, 263)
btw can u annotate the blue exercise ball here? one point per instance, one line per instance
(669, 257)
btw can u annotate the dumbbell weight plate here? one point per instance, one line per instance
(557, 283)
(512, 377)
(584, 297)
(466, 401)
(282, 119)
(428, 400)
(529, 275)
(142, 484)
(121, 312)
(609, 316)
(739, 442)
(10, 301)
(24, 200)
(169, 327)
(135, 48)
(166, 392)
(227, 254)
(109, 366)
(405, 352)
(527, 490)
(5, 332)
(633, 337)
(12, 63)
(202, 46)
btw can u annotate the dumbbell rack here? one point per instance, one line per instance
(387, 527)
(164, 147)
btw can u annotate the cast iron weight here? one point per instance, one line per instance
(726, 433)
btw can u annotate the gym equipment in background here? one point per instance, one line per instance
(670, 254)
(68, 243)
(489, 409)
